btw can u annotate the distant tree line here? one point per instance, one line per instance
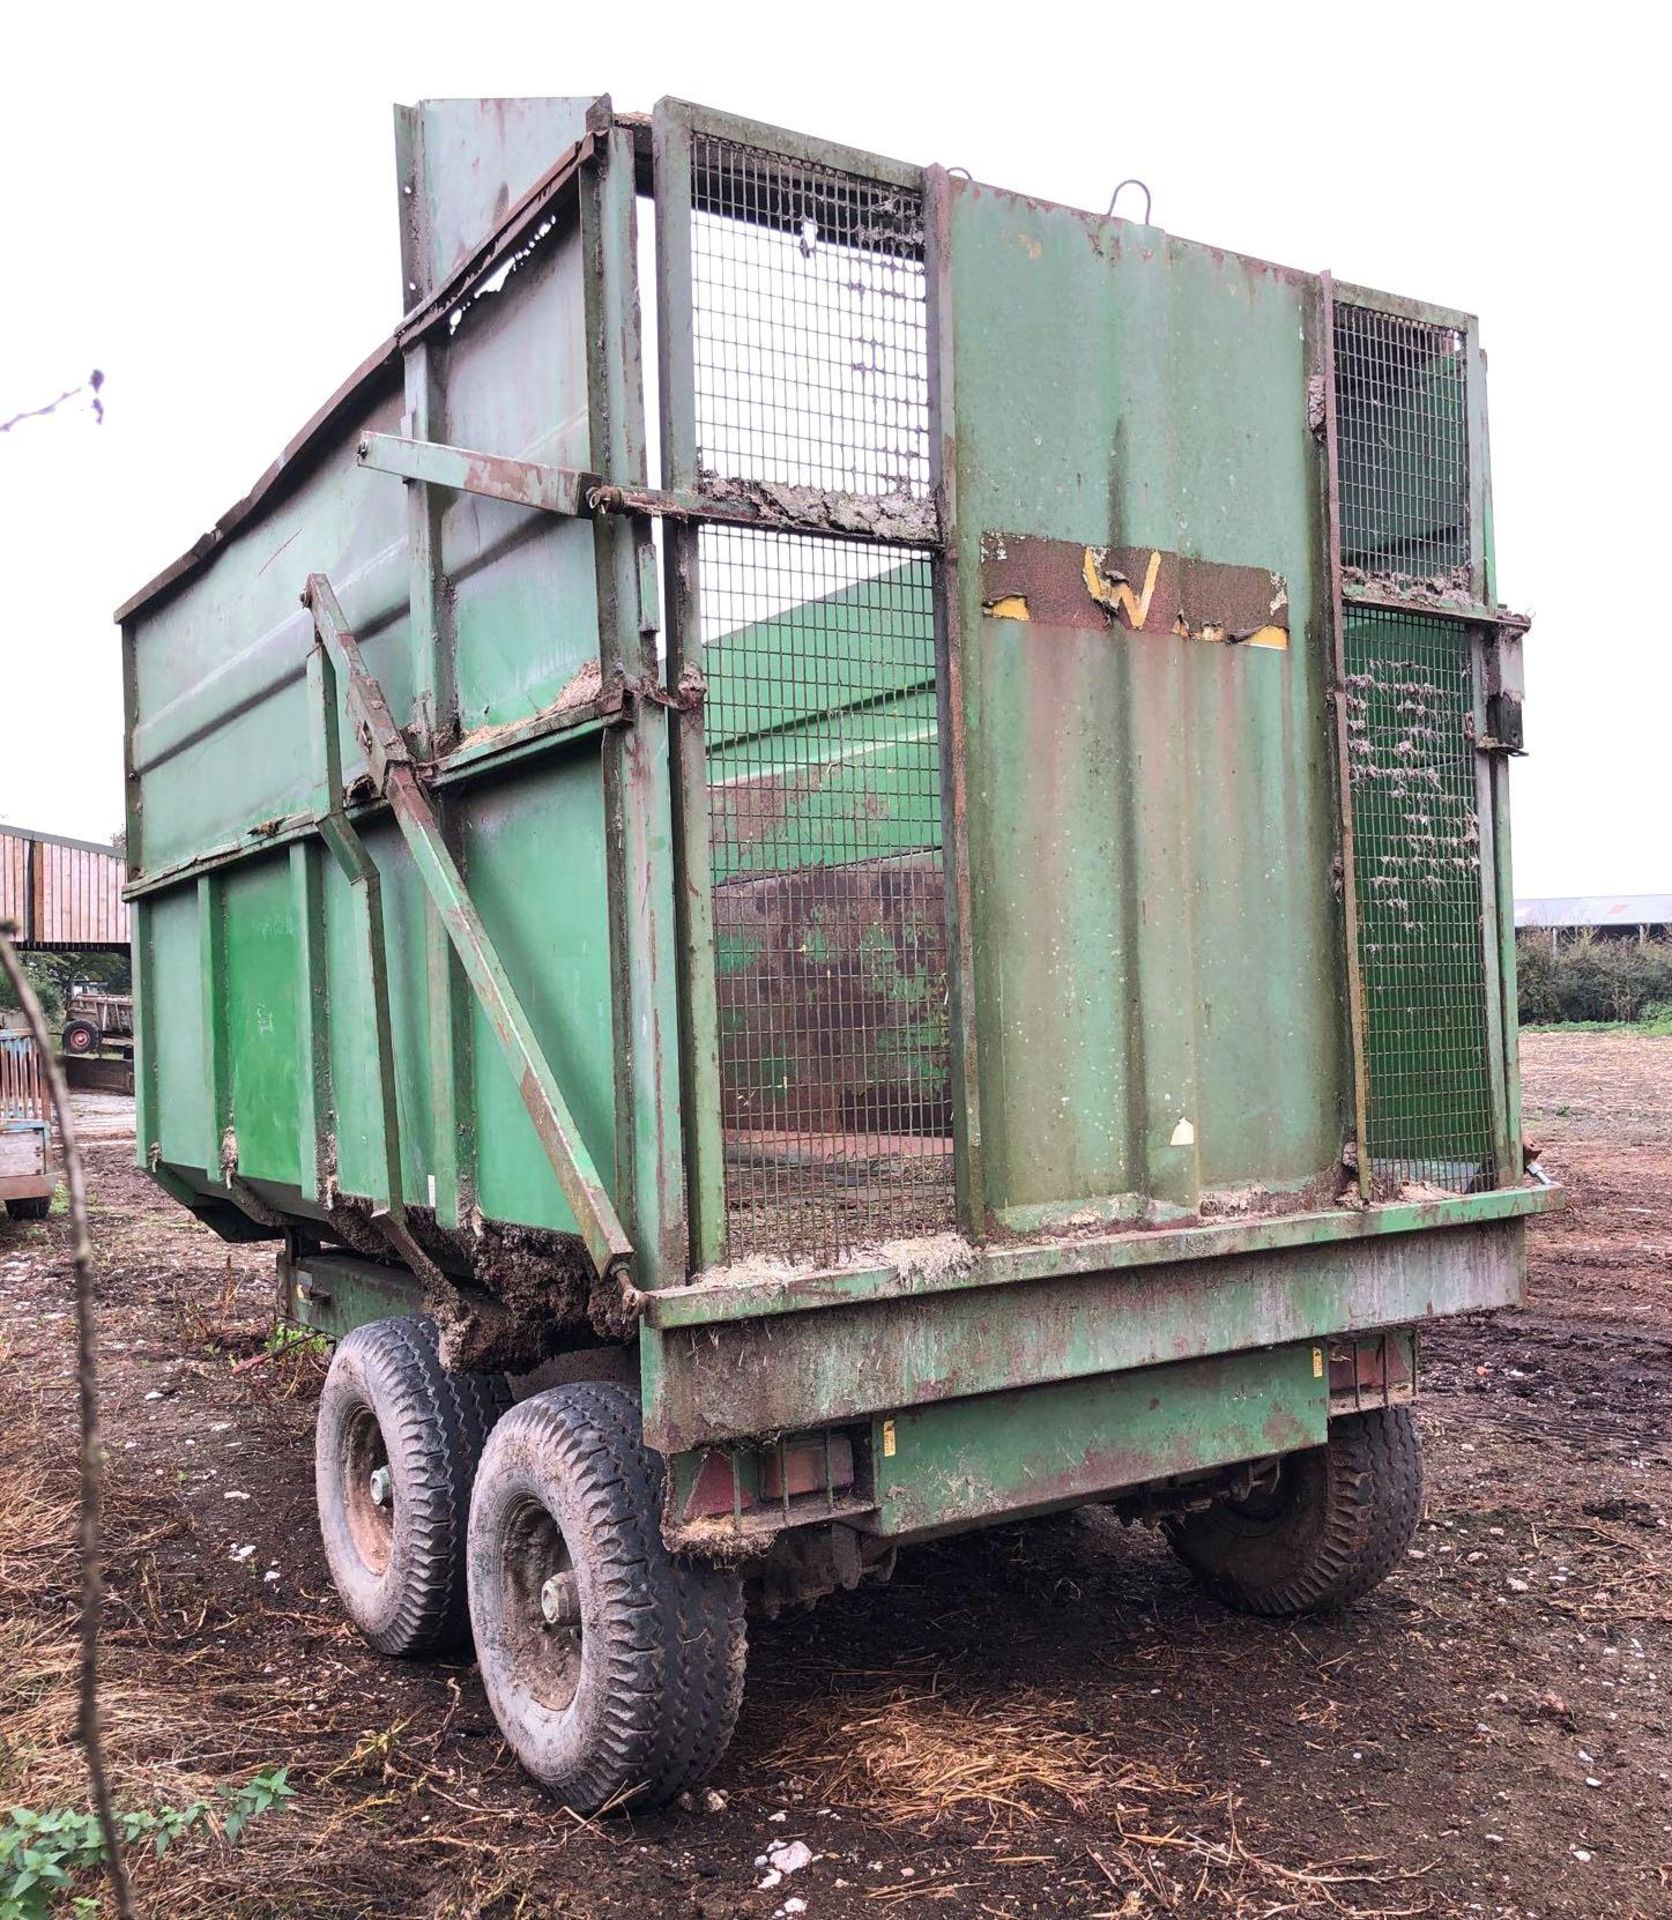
(1592, 978)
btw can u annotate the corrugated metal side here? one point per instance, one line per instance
(1596, 910)
(62, 893)
(476, 616)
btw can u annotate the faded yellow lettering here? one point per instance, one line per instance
(1013, 606)
(1114, 591)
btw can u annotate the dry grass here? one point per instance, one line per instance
(178, 1728)
(38, 1580)
(1022, 1766)
(924, 1758)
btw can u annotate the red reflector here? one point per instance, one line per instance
(802, 1464)
(790, 1470)
(715, 1488)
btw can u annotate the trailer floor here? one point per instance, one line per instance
(1046, 1721)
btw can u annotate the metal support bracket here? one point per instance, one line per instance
(896, 518)
(1387, 595)
(1501, 631)
(396, 778)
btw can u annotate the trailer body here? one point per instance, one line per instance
(96, 1021)
(939, 871)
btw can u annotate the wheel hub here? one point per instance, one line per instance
(560, 1601)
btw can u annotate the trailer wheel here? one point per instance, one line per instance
(80, 1037)
(1335, 1525)
(614, 1668)
(35, 1208)
(396, 1448)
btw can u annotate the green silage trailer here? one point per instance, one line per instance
(832, 858)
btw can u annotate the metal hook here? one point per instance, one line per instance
(1113, 197)
(965, 172)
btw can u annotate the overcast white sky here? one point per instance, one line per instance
(201, 202)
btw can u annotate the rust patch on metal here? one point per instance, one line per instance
(1064, 583)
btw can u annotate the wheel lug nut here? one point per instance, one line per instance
(383, 1487)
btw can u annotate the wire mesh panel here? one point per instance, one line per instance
(810, 324)
(829, 906)
(810, 363)
(1403, 452)
(1411, 753)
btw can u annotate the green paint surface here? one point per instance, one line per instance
(1158, 970)
(964, 1461)
(261, 983)
(874, 1352)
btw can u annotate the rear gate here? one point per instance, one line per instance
(812, 781)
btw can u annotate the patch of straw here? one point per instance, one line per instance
(926, 1758)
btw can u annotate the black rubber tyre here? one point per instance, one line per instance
(36, 1208)
(79, 1037)
(391, 1408)
(631, 1694)
(1337, 1523)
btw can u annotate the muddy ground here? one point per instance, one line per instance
(1042, 1721)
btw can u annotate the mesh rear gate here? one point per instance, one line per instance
(1401, 402)
(810, 352)
(1402, 419)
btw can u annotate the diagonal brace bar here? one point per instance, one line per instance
(396, 778)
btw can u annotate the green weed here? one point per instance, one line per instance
(41, 1853)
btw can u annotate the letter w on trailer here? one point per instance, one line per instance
(1000, 995)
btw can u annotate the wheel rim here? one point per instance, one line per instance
(80, 1040)
(1270, 1512)
(544, 1634)
(370, 1491)
(1266, 1504)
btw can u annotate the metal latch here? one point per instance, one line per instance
(1504, 689)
